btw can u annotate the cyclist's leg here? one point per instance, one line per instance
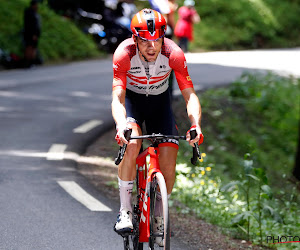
(126, 177)
(167, 162)
(135, 118)
(127, 171)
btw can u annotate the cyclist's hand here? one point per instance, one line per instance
(199, 138)
(120, 137)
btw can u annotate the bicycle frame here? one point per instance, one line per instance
(145, 177)
(145, 182)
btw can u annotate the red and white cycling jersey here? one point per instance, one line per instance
(129, 71)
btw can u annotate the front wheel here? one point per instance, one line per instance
(159, 184)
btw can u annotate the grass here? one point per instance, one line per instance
(60, 40)
(246, 24)
(244, 184)
(225, 25)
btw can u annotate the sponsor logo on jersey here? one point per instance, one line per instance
(158, 86)
(189, 78)
(141, 87)
(152, 87)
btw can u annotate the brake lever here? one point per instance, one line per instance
(121, 152)
(196, 151)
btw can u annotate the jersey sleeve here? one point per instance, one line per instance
(178, 63)
(121, 64)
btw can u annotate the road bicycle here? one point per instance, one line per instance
(149, 180)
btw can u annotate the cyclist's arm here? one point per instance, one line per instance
(193, 106)
(178, 63)
(118, 107)
(119, 114)
(121, 64)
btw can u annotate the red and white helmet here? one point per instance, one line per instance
(148, 24)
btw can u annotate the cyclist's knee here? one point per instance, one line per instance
(132, 150)
(167, 157)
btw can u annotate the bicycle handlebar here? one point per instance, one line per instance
(158, 137)
(127, 134)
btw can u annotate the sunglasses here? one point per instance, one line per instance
(146, 35)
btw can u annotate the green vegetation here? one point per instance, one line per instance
(244, 183)
(60, 40)
(225, 25)
(228, 25)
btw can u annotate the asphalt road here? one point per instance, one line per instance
(39, 110)
(48, 115)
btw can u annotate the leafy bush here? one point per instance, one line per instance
(60, 38)
(226, 25)
(257, 116)
(247, 24)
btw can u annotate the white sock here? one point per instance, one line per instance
(125, 189)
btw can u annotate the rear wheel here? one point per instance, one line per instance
(159, 184)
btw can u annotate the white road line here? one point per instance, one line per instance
(84, 128)
(83, 197)
(80, 94)
(56, 152)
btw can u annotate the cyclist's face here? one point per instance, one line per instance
(150, 49)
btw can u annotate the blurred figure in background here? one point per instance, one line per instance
(167, 8)
(171, 18)
(160, 5)
(32, 32)
(184, 26)
(126, 9)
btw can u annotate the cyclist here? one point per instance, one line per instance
(142, 66)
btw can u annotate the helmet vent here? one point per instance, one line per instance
(149, 16)
(151, 26)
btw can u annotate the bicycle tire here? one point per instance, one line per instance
(159, 181)
(131, 240)
(135, 237)
(135, 243)
(126, 243)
